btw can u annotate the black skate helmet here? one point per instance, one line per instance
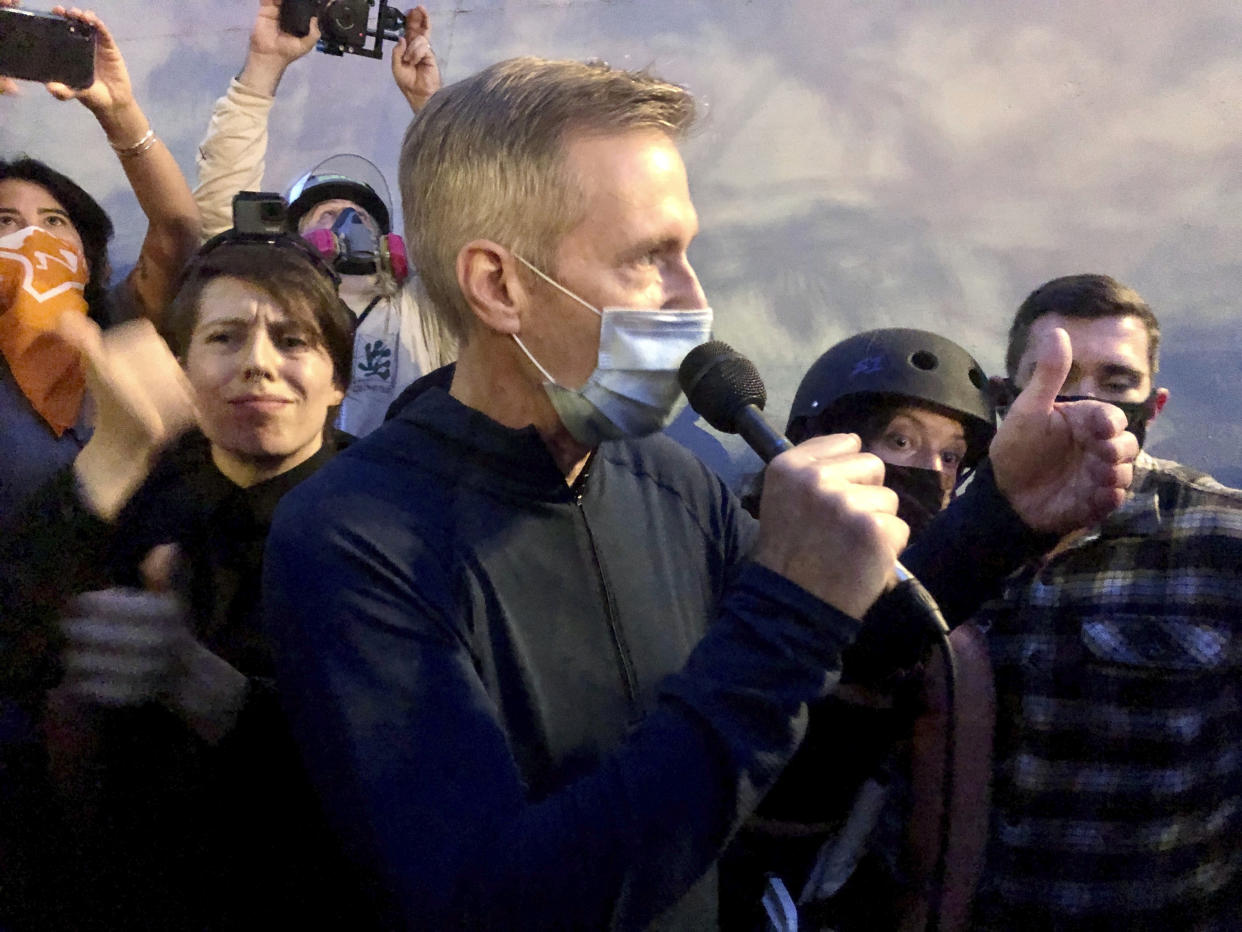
(894, 366)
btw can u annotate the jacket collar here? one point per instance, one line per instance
(188, 465)
(483, 452)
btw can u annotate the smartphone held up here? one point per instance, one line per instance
(39, 46)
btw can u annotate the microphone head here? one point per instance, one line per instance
(718, 382)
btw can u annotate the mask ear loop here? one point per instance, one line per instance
(535, 362)
(559, 287)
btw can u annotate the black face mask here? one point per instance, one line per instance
(920, 495)
(1137, 413)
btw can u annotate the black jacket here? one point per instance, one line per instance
(160, 829)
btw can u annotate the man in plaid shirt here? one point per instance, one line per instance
(1118, 765)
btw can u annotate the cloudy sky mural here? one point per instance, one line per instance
(858, 164)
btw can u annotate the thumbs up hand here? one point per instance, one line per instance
(1062, 465)
(129, 647)
(124, 646)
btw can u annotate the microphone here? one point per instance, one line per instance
(724, 387)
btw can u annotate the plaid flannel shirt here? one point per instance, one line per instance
(1118, 769)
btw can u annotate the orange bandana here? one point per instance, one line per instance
(42, 277)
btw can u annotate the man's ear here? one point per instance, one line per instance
(1161, 399)
(487, 274)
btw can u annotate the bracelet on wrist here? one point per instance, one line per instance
(141, 146)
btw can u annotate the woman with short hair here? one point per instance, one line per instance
(174, 776)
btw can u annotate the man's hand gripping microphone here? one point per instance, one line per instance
(725, 388)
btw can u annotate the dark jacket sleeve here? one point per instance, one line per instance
(972, 546)
(53, 549)
(56, 548)
(404, 741)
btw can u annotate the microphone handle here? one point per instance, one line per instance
(759, 435)
(768, 442)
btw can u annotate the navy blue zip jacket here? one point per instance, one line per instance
(531, 705)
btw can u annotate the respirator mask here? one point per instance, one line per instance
(353, 247)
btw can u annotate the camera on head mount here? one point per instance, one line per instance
(344, 25)
(259, 213)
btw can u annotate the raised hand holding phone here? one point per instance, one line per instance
(45, 46)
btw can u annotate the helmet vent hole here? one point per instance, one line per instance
(977, 378)
(924, 360)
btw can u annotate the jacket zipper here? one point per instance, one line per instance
(610, 610)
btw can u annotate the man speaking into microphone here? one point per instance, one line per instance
(541, 662)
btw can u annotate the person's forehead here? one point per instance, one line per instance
(228, 298)
(19, 191)
(1095, 340)
(337, 204)
(636, 168)
(634, 195)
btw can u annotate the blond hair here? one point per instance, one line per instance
(486, 160)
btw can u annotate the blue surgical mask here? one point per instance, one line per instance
(633, 390)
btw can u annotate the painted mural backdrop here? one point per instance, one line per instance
(858, 164)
